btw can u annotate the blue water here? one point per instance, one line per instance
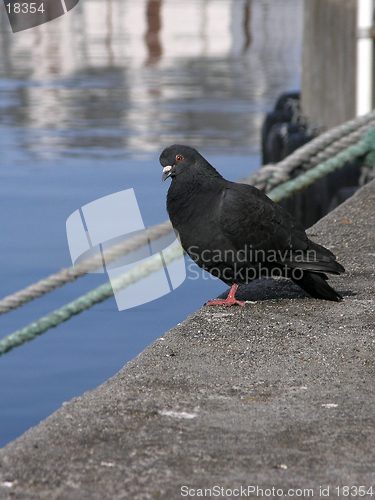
(72, 133)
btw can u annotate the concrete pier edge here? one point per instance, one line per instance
(278, 395)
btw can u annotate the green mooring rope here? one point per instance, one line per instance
(363, 147)
(91, 298)
(90, 264)
(103, 292)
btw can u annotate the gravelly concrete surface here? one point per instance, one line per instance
(278, 394)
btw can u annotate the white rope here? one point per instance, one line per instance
(318, 150)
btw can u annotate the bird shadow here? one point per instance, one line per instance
(273, 289)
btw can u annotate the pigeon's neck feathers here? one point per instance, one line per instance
(201, 173)
(194, 191)
(198, 178)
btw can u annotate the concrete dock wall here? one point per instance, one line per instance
(277, 394)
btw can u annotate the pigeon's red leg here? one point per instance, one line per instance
(229, 301)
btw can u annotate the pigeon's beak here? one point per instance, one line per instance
(166, 172)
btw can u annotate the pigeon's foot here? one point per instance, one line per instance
(229, 301)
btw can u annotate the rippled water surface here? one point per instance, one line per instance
(87, 103)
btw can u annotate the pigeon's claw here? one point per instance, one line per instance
(229, 301)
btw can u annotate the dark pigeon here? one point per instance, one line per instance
(237, 233)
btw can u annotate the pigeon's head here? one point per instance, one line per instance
(178, 158)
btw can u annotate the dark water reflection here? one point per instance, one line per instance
(87, 102)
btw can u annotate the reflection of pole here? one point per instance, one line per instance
(247, 25)
(153, 28)
(203, 27)
(365, 54)
(108, 39)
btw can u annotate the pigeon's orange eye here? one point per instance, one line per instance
(179, 158)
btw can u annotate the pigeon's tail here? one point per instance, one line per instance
(316, 285)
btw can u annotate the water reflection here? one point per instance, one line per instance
(150, 72)
(153, 28)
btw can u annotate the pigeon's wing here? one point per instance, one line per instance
(254, 222)
(249, 217)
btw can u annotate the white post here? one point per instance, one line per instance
(365, 46)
